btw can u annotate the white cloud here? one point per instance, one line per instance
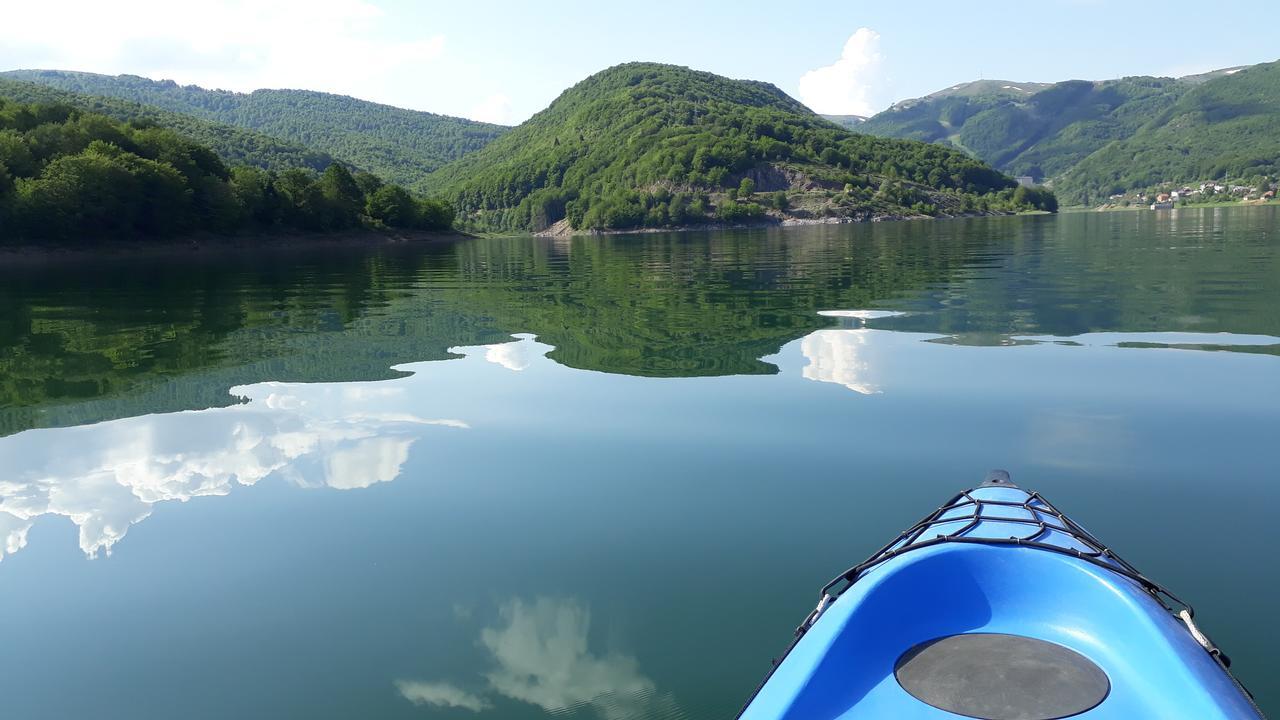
(493, 109)
(850, 85)
(343, 46)
(441, 695)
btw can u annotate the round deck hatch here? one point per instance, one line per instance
(1002, 677)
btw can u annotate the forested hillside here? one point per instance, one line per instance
(1093, 139)
(400, 145)
(1227, 127)
(236, 146)
(1028, 129)
(648, 145)
(70, 175)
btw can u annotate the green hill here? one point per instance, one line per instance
(1093, 139)
(236, 146)
(649, 145)
(1029, 128)
(67, 175)
(1224, 127)
(400, 145)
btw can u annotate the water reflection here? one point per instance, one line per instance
(540, 654)
(338, 436)
(355, 435)
(514, 356)
(840, 357)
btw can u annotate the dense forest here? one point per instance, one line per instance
(649, 145)
(1093, 139)
(235, 145)
(66, 174)
(397, 144)
(1225, 129)
(1030, 129)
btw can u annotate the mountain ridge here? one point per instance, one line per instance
(399, 144)
(235, 145)
(1050, 133)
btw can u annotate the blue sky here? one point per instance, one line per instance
(503, 61)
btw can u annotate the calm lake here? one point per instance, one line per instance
(600, 477)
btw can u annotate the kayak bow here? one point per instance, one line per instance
(997, 606)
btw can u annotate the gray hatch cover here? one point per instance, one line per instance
(1002, 677)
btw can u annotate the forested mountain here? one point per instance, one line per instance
(236, 146)
(1096, 138)
(1030, 129)
(70, 175)
(1227, 127)
(654, 145)
(400, 145)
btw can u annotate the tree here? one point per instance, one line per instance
(256, 194)
(342, 195)
(303, 205)
(747, 187)
(15, 154)
(435, 215)
(393, 206)
(105, 191)
(368, 183)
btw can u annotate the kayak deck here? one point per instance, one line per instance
(997, 607)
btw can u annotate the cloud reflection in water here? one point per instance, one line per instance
(540, 655)
(120, 469)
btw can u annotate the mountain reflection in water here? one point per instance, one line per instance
(623, 511)
(348, 436)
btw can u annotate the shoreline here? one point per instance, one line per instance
(187, 245)
(561, 229)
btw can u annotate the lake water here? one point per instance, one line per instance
(599, 477)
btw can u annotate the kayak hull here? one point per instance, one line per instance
(843, 666)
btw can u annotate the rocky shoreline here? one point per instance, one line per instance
(562, 228)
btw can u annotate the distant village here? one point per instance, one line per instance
(1212, 192)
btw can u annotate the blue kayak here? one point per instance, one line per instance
(997, 606)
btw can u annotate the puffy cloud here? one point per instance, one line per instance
(849, 86)
(344, 46)
(441, 695)
(493, 109)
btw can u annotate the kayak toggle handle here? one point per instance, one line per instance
(1203, 639)
(813, 616)
(998, 478)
